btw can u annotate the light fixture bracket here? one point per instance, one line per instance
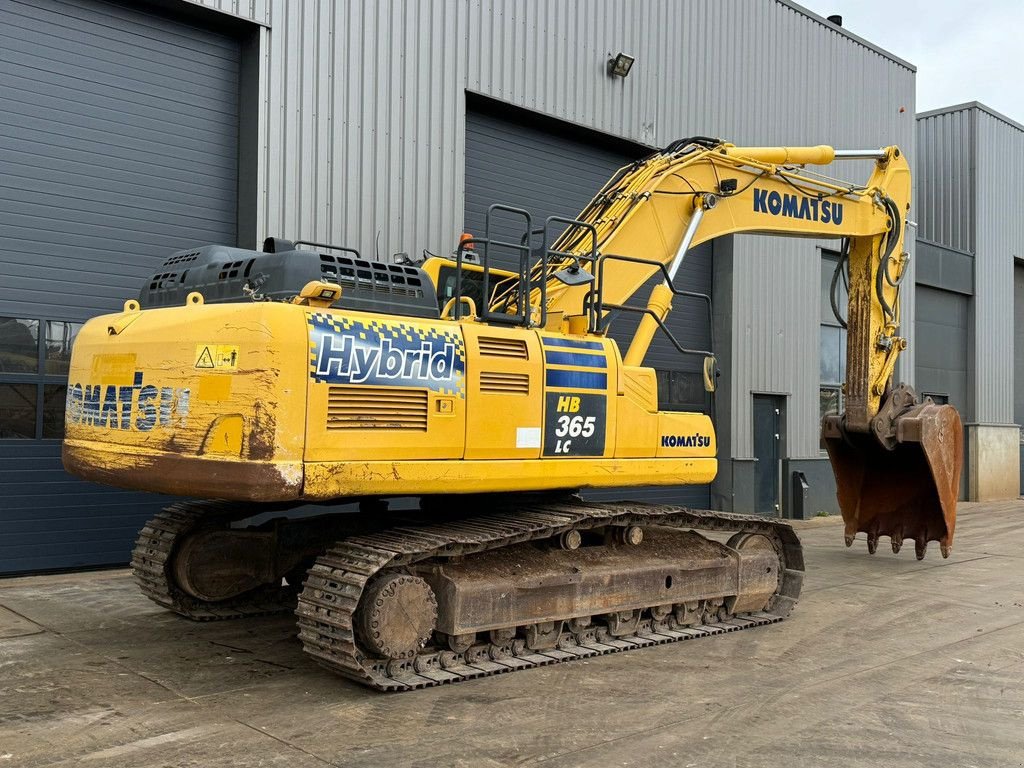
(620, 64)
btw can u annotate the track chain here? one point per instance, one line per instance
(335, 584)
(151, 565)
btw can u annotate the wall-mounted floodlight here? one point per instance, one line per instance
(620, 65)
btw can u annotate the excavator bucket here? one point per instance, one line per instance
(904, 486)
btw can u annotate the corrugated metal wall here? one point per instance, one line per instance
(365, 126)
(945, 195)
(1018, 355)
(970, 202)
(775, 322)
(998, 239)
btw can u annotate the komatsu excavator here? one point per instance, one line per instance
(262, 381)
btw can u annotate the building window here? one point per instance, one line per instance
(936, 398)
(34, 359)
(832, 344)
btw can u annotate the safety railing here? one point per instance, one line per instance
(598, 309)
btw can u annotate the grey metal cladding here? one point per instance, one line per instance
(364, 108)
(1018, 342)
(1018, 352)
(118, 145)
(944, 268)
(969, 154)
(998, 239)
(945, 202)
(51, 520)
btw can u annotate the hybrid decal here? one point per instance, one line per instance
(379, 353)
(686, 441)
(139, 407)
(798, 207)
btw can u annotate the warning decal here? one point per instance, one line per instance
(217, 357)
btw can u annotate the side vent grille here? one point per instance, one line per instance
(495, 347)
(377, 408)
(376, 276)
(497, 382)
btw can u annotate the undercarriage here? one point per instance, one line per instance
(409, 600)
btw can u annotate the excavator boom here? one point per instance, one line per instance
(897, 463)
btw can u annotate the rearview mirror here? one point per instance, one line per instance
(709, 374)
(574, 275)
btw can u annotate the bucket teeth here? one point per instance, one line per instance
(920, 548)
(903, 481)
(945, 549)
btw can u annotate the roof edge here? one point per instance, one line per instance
(971, 105)
(847, 33)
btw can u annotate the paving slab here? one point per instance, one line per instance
(886, 661)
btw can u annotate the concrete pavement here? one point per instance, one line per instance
(885, 662)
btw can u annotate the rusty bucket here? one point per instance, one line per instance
(902, 481)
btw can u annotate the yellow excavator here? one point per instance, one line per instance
(303, 374)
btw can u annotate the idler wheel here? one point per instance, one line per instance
(397, 616)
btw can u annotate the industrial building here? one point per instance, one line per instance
(970, 285)
(129, 131)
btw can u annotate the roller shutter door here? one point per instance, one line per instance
(553, 169)
(940, 339)
(118, 145)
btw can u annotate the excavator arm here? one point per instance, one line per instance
(897, 462)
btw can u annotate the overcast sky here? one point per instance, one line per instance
(969, 50)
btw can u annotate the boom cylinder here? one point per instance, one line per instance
(660, 302)
(819, 155)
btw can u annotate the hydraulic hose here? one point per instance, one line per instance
(833, 294)
(891, 241)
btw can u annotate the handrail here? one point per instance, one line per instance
(595, 305)
(548, 250)
(663, 327)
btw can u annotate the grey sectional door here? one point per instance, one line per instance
(941, 345)
(554, 169)
(940, 340)
(118, 145)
